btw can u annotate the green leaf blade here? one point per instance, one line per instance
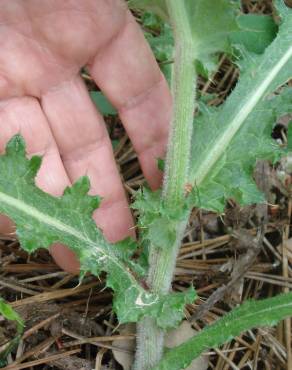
(42, 220)
(156, 6)
(9, 314)
(211, 23)
(239, 132)
(256, 32)
(251, 314)
(102, 104)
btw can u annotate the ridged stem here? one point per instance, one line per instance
(162, 261)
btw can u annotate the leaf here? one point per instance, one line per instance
(157, 222)
(42, 220)
(9, 314)
(211, 23)
(162, 47)
(152, 22)
(156, 6)
(161, 164)
(160, 38)
(256, 32)
(251, 314)
(162, 232)
(229, 139)
(102, 104)
(178, 336)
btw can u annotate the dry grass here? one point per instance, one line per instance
(246, 253)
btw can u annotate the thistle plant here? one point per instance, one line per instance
(213, 155)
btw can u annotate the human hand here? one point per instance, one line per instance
(44, 44)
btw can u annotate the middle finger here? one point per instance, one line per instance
(86, 149)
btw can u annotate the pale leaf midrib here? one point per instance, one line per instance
(46, 219)
(238, 120)
(263, 311)
(21, 206)
(227, 322)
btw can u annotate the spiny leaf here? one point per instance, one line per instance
(228, 140)
(251, 314)
(211, 23)
(156, 6)
(42, 220)
(162, 47)
(215, 27)
(157, 223)
(152, 22)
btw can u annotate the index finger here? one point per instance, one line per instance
(126, 71)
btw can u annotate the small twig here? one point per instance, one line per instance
(42, 347)
(99, 358)
(257, 351)
(48, 296)
(14, 285)
(44, 277)
(240, 268)
(62, 282)
(82, 340)
(98, 339)
(42, 360)
(287, 322)
(226, 359)
(40, 325)
(29, 267)
(231, 355)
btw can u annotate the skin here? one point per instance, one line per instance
(42, 96)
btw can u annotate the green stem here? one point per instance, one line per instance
(162, 261)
